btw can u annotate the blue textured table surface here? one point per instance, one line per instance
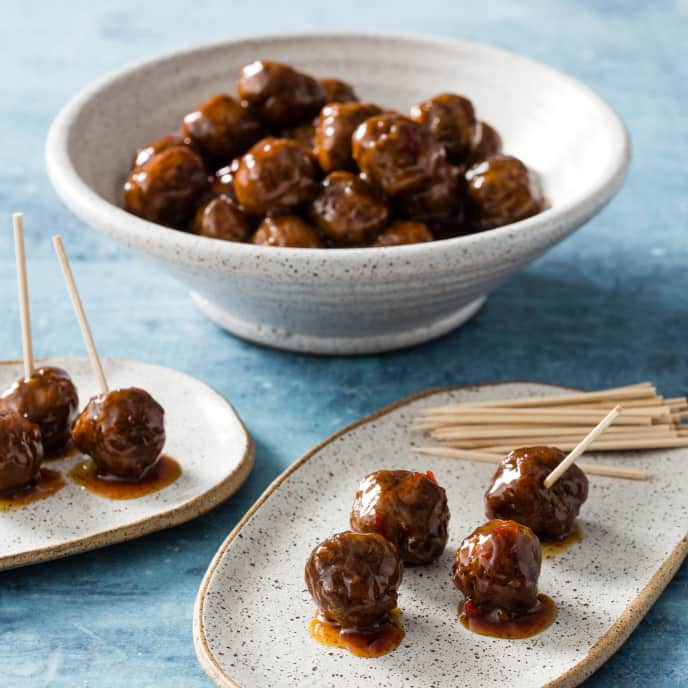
(607, 307)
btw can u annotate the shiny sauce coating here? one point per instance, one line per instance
(47, 484)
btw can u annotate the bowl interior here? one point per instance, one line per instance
(558, 127)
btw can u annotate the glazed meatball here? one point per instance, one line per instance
(334, 130)
(353, 579)
(145, 153)
(517, 492)
(499, 191)
(408, 508)
(222, 183)
(451, 121)
(337, 91)
(303, 133)
(282, 95)
(286, 231)
(166, 187)
(348, 210)
(486, 143)
(396, 153)
(438, 199)
(276, 175)
(402, 232)
(221, 218)
(122, 431)
(50, 400)
(497, 567)
(222, 127)
(21, 451)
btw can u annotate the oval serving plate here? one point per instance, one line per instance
(252, 610)
(204, 434)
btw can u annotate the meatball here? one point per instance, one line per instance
(122, 431)
(303, 133)
(353, 578)
(408, 508)
(486, 143)
(166, 187)
(348, 210)
(282, 95)
(396, 153)
(451, 121)
(497, 567)
(221, 218)
(337, 91)
(334, 130)
(402, 232)
(287, 231)
(222, 127)
(21, 451)
(517, 492)
(499, 191)
(439, 199)
(222, 183)
(145, 153)
(276, 175)
(50, 400)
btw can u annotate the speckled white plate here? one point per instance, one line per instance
(204, 434)
(252, 611)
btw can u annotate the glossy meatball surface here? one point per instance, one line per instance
(450, 119)
(338, 91)
(286, 231)
(166, 187)
(517, 492)
(221, 218)
(353, 578)
(222, 127)
(402, 232)
(276, 175)
(408, 508)
(439, 199)
(145, 153)
(498, 565)
(486, 143)
(222, 182)
(347, 209)
(302, 133)
(21, 451)
(123, 432)
(396, 153)
(499, 191)
(282, 95)
(49, 399)
(336, 126)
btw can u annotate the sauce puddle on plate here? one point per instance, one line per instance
(369, 642)
(48, 483)
(552, 548)
(163, 473)
(513, 627)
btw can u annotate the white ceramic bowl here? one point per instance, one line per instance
(354, 300)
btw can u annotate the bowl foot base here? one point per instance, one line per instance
(335, 345)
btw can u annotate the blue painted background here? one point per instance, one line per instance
(607, 307)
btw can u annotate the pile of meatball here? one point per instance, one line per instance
(401, 517)
(122, 431)
(293, 161)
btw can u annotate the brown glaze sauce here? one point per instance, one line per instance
(372, 642)
(552, 548)
(48, 483)
(512, 627)
(161, 474)
(67, 453)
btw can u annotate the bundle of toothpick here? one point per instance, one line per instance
(487, 431)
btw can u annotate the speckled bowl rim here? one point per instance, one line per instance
(165, 243)
(599, 653)
(175, 516)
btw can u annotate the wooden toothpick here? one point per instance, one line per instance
(80, 314)
(23, 288)
(582, 446)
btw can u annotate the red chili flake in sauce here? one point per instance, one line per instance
(471, 610)
(379, 522)
(431, 476)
